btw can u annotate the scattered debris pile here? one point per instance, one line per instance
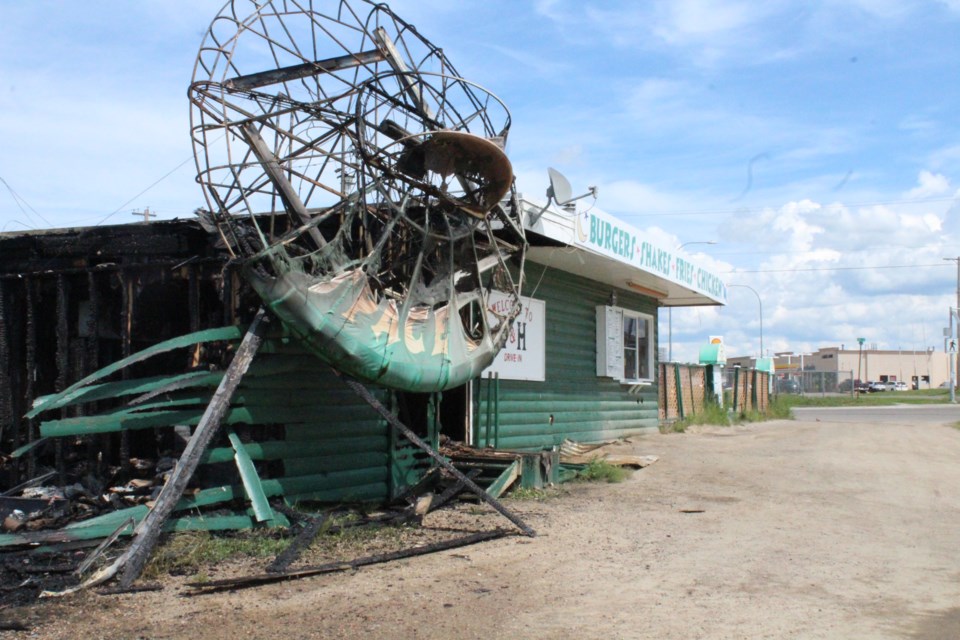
(52, 563)
(575, 453)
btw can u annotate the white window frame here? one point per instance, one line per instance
(611, 351)
(648, 319)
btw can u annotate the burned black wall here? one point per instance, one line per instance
(74, 300)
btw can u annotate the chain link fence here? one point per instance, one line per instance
(821, 383)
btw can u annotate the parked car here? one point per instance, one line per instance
(862, 387)
(900, 386)
(889, 385)
(788, 385)
(874, 387)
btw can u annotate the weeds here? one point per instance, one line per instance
(923, 396)
(603, 471)
(189, 551)
(777, 409)
(537, 495)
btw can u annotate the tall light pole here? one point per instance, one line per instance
(760, 302)
(859, 384)
(957, 356)
(670, 309)
(803, 375)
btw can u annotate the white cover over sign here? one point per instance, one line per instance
(524, 355)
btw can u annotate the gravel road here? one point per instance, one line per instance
(814, 528)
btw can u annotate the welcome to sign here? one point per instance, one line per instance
(524, 355)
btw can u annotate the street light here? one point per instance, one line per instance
(955, 366)
(670, 309)
(760, 302)
(860, 342)
(803, 374)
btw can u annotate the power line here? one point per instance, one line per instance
(744, 209)
(155, 183)
(713, 254)
(796, 270)
(17, 198)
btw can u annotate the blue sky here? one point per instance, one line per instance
(817, 143)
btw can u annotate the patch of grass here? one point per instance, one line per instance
(188, 552)
(724, 416)
(879, 399)
(602, 471)
(711, 414)
(537, 495)
(777, 409)
(677, 426)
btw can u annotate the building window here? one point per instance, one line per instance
(636, 347)
(624, 344)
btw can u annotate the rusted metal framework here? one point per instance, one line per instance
(340, 121)
(361, 188)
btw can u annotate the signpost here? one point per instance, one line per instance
(859, 382)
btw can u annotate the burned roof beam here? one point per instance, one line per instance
(213, 586)
(304, 70)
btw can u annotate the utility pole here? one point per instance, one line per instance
(146, 213)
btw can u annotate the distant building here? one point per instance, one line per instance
(919, 369)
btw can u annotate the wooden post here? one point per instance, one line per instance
(392, 420)
(679, 387)
(146, 534)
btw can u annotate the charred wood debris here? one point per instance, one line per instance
(82, 472)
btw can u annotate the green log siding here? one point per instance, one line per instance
(583, 406)
(346, 444)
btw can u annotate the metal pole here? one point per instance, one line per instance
(859, 367)
(954, 359)
(670, 309)
(953, 370)
(801, 374)
(759, 302)
(670, 334)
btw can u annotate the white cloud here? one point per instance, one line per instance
(631, 198)
(686, 21)
(930, 185)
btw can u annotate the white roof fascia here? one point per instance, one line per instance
(604, 248)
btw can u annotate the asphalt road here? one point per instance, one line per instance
(902, 414)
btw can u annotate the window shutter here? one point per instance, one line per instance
(610, 342)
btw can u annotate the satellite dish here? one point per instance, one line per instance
(561, 193)
(560, 189)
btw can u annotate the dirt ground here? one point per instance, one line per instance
(787, 529)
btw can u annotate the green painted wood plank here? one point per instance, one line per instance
(345, 452)
(138, 386)
(250, 479)
(208, 335)
(504, 480)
